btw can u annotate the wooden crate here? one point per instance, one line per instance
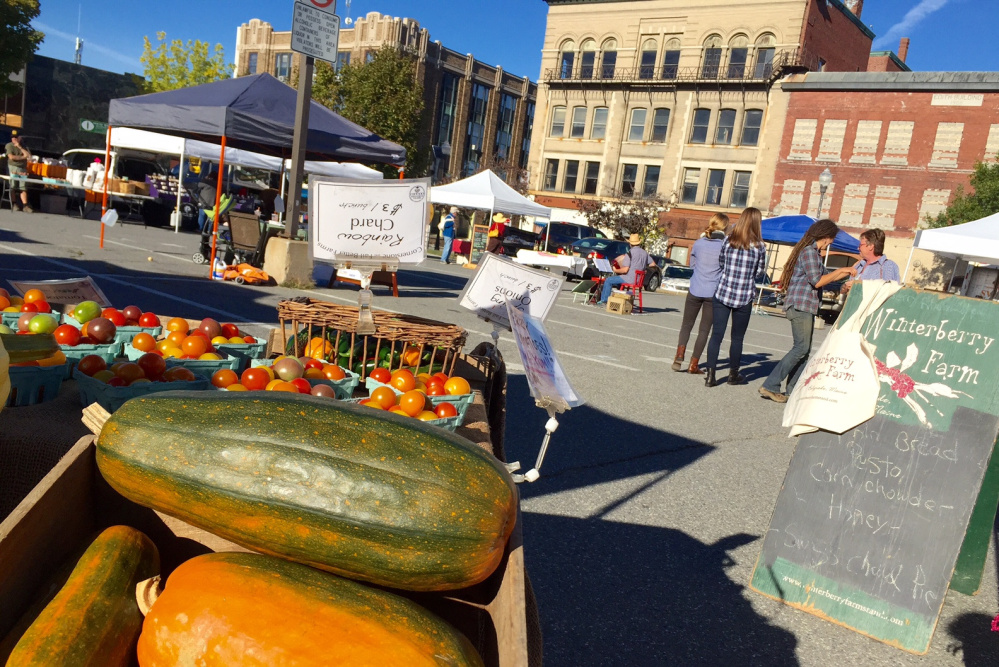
(620, 303)
(73, 502)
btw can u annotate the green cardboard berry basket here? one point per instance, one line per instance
(31, 385)
(459, 401)
(448, 424)
(108, 353)
(206, 367)
(111, 398)
(344, 388)
(245, 351)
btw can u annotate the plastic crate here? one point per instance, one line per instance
(111, 398)
(448, 424)
(246, 351)
(31, 385)
(344, 388)
(108, 353)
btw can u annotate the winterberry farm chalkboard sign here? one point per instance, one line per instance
(868, 524)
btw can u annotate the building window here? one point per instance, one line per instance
(671, 59)
(711, 63)
(699, 130)
(571, 174)
(558, 122)
(738, 53)
(551, 175)
(651, 183)
(449, 108)
(608, 59)
(740, 189)
(636, 131)
(590, 180)
(629, 174)
(660, 125)
(691, 179)
(647, 69)
(525, 144)
(764, 56)
(566, 59)
(251, 65)
(587, 58)
(282, 66)
(504, 129)
(369, 56)
(599, 128)
(578, 128)
(475, 137)
(342, 60)
(726, 126)
(716, 183)
(751, 127)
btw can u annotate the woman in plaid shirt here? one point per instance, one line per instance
(742, 259)
(804, 275)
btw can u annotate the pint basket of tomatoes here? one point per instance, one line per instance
(34, 384)
(438, 388)
(110, 385)
(315, 372)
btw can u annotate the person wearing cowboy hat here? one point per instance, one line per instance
(496, 229)
(17, 167)
(625, 266)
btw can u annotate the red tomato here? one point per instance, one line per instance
(445, 410)
(443, 377)
(29, 307)
(149, 320)
(42, 306)
(255, 379)
(379, 374)
(90, 364)
(302, 385)
(314, 363)
(67, 334)
(179, 374)
(117, 381)
(107, 312)
(130, 372)
(435, 388)
(116, 318)
(249, 339)
(224, 377)
(230, 330)
(153, 365)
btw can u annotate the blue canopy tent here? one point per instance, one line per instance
(788, 229)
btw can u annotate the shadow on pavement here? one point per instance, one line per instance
(974, 640)
(8, 236)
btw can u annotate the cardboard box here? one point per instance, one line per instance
(141, 188)
(620, 303)
(54, 204)
(127, 187)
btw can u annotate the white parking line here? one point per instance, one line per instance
(186, 260)
(562, 353)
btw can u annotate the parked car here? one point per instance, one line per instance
(558, 237)
(609, 249)
(516, 239)
(832, 299)
(677, 278)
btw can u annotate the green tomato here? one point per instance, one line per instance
(86, 311)
(42, 324)
(4, 329)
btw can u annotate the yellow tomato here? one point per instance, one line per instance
(220, 340)
(235, 340)
(314, 374)
(174, 352)
(11, 309)
(57, 359)
(456, 386)
(210, 356)
(270, 371)
(273, 383)
(236, 387)
(426, 416)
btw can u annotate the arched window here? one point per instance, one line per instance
(738, 52)
(608, 58)
(711, 60)
(647, 67)
(587, 58)
(764, 55)
(671, 58)
(567, 55)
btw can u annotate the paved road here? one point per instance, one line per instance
(645, 525)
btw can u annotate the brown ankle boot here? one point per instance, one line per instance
(694, 370)
(678, 360)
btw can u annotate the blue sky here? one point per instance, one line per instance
(945, 34)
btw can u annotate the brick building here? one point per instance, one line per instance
(898, 145)
(475, 114)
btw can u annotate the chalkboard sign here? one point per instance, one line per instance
(868, 524)
(480, 239)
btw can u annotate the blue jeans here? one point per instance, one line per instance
(203, 220)
(610, 284)
(446, 253)
(790, 367)
(740, 322)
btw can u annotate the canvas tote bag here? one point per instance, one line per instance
(839, 386)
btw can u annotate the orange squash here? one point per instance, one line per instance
(242, 610)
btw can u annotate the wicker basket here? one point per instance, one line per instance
(394, 332)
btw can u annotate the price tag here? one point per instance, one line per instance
(498, 281)
(71, 291)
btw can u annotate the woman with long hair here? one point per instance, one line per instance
(707, 273)
(742, 258)
(803, 278)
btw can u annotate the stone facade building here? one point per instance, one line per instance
(475, 114)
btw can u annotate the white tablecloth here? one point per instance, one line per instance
(570, 264)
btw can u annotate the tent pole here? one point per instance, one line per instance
(915, 242)
(218, 206)
(283, 197)
(107, 168)
(953, 272)
(180, 186)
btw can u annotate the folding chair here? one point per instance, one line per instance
(246, 237)
(635, 288)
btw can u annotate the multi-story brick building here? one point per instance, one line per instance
(475, 114)
(898, 145)
(676, 98)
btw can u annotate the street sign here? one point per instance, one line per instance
(95, 126)
(315, 29)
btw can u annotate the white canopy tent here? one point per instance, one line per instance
(488, 192)
(976, 241)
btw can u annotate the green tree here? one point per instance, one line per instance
(625, 216)
(172, 65)
(982, 201)
(18, 40)
(382, 95)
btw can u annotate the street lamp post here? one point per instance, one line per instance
(825, 178)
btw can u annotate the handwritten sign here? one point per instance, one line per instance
(498, 281)
(868, 524)
(545, 377)
(480, 239)
(71, 291)
(367, 220)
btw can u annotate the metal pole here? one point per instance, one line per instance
(915, 244)
(180, 185)
(107, 168)
(218, 205)
(822, 196)
(298, 147)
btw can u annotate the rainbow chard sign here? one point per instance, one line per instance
(872, 527)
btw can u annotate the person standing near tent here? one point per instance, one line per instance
(873, 264)
(446, 228)
(17, 167)
(804, 275)
(495, 234)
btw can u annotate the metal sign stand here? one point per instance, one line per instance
(367, 268)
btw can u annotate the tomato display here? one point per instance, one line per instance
(67, 334)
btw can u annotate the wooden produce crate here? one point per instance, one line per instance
(73, 502)
(396, 332)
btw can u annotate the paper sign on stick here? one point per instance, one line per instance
(368, 220)
(548, 383)
(499, 281)
(71, 291)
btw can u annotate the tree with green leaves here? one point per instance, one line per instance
(18, 40)
(173, 65)
(382, 95)
(982, 201)
(627, 215)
